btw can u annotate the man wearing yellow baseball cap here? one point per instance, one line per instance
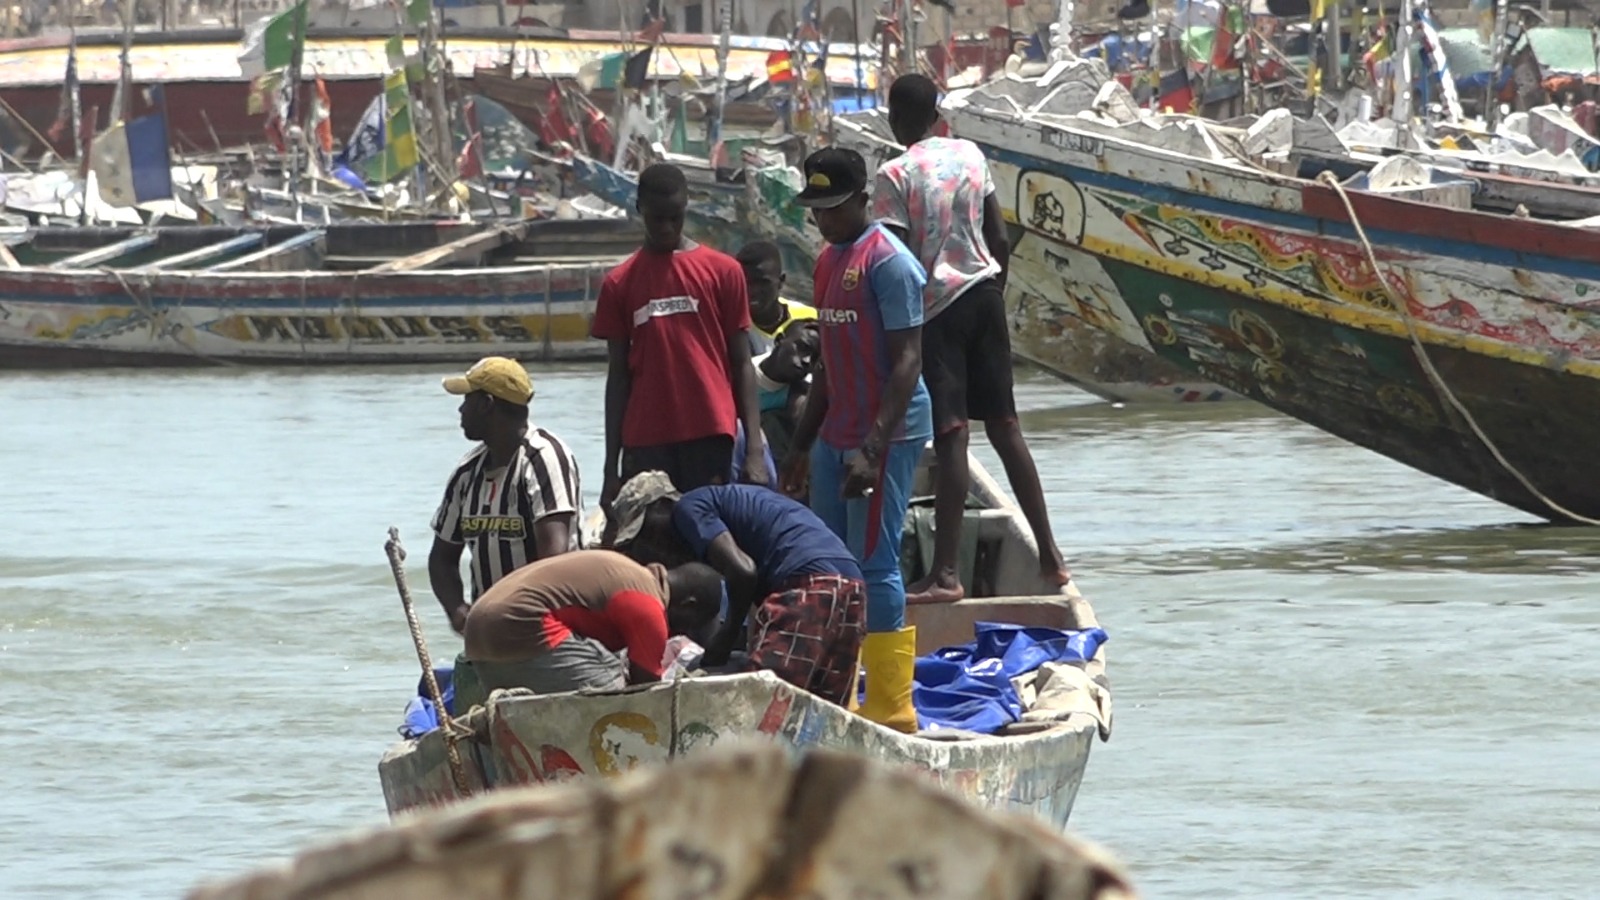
(514, 498)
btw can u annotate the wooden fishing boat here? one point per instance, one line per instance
(1034, 765)
(527, 97)
(736, 823)
(1047, 328)
(1460, 341)
(343, 293)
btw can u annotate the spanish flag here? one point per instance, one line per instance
(779, 68)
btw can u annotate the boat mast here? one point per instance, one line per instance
(1401, 108)
(725, 36)
(1491, 106)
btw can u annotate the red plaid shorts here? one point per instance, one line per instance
(809, 632)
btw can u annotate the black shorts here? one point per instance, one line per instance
(690, 464)
(966, 360)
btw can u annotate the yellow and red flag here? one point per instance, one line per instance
(779, 67)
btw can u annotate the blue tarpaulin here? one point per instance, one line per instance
(969, 686)
(420, 716)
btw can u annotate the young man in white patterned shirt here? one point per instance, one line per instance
(515, 498)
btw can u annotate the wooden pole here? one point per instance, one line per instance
(397, 556)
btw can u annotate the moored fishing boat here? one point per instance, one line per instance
(1387, 309)
(342, 293)
(1034, 764)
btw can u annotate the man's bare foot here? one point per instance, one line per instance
(943, 587)
(1053, 569)
(1059, 577)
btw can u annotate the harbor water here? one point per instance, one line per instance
(1333, 676)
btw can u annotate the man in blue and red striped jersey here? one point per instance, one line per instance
(871, 409)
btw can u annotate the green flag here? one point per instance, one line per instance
(271, 43)
(400, 140)
(417, 11)
(605, 72)
(394, 50)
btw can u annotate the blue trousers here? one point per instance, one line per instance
(870, 526)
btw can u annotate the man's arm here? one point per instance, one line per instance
(619, 386)
(642, 622)
(552, 535)
(747, 400)
(905, 356)
(739, 574)
(994, 235)
(444, 576)
(897, 285)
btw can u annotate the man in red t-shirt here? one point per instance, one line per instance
(558, 624)
(680, 383)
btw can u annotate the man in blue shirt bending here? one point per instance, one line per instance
(796, 580)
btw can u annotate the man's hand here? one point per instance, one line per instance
(860, 474)
(458, 618)
(609, 489)
(755, 463)
(796, 468)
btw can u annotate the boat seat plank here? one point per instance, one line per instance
(473, 247)
(210, 251)
(250, 260)
(105, 254)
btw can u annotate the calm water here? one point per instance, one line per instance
(1334, 677)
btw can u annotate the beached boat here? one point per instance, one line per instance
(1035, 764)
(736, 823)
(1385, 309)
(1048, 328)
(344, 293)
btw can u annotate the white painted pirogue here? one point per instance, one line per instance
(1034, 765)
(734, 824)
(343, 293)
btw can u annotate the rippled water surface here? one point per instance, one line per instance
(1333, 676)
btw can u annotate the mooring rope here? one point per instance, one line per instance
(1421, 352)
(452, 731)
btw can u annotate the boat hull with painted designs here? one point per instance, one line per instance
(306, 295)
(1170, 235)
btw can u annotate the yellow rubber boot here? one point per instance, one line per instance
(890, 658)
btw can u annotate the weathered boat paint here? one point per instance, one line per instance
(537, 739)
(144, 313)
(1255, 280)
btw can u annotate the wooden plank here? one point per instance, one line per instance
(299, 241)
(473, 246)
(829, 826)
(105, 254)
(210, 251)
(7, 259)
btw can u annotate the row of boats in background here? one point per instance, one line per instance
(1377, 253)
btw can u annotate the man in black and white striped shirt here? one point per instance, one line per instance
(514, 499)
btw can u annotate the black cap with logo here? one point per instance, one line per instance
(833, 175)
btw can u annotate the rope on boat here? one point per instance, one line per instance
(148, 308)
(452, 731)
(1421, 352)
